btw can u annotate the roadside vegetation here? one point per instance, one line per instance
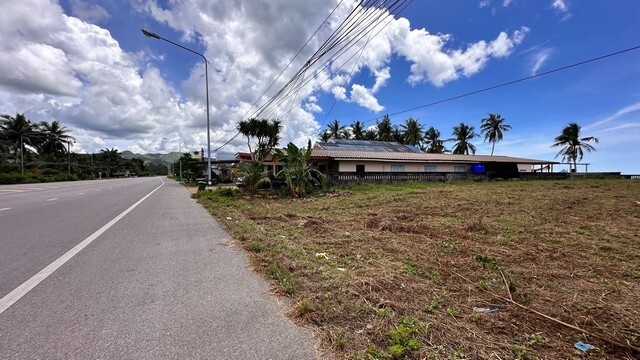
(452, 271)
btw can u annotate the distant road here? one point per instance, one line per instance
(154, 281)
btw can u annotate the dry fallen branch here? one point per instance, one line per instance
(573, 327)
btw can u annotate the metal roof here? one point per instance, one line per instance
(365, 145)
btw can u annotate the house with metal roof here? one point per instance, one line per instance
(362, 156)
(345, 160)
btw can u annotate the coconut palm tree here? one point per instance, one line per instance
(573, 145)
(463, 134)
(54, 139)
(434, 145)
(492, 128)
(324, 136)
(371, 134)
(357, 129)
(385, 129)
(17, 131)
(336, 130)
(412, 132)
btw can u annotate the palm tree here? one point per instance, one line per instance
(301, 176)
(110, 158)
(432, 140)
(463, 134)
(324, 136)
(16, 131)
(397, 135)
(492, 128)
(357, 129)
(335, 130)
(54, 139)
(573, 145)
(371, 134)
(412, 132)
(385, 130)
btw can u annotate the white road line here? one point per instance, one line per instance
(98, 190)
(36, 279)
(3, 209)
(80, 193)
(52, 199)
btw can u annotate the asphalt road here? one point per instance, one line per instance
(160, 283)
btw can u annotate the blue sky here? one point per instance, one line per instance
(87, 64)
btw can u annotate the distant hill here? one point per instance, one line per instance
(157, 159)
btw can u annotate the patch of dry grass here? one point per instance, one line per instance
(360, 260)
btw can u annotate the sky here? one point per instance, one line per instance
(88, 65)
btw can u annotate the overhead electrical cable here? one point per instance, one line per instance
(360, 23)
(493, 87)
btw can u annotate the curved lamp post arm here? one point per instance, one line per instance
(150, 34)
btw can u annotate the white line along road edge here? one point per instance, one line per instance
(36, 279)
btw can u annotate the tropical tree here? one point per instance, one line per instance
(301, 177)
(17, 131)
(492, 128)
(573, 146)
(371, 134)
(324, 136)
(336, 130)
(253, 174)
(266, 134)
(357, 129)
(463, 134)
(397, 135)
(412, 132)
(385, 129)
(110, 159)
(433, 143)
(54, 139)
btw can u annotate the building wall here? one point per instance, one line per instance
(375, 166)
(524, 167)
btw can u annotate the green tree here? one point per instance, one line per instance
(573, 146)
(433, 143)
(385, 129)
(16, 131)
(324, 136)
(492, 128)
(53, 139)
(301, 177)
(357, 129)
(110, 159)
(253, 174)
(336, 130)
(412, 132)
(371, 134)
(463, 134)
(265, 132)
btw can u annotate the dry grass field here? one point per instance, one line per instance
(395, 271)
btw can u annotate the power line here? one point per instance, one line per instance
(512, 82)
(353, 24)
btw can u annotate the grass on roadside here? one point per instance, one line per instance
(394, 271)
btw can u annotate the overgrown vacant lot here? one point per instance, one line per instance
(395, 271)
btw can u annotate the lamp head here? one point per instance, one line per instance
(148, 33)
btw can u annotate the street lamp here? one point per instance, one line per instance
(179, 151)
(148, 33)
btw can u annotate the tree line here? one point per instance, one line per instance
(572, 145)
(33, 152)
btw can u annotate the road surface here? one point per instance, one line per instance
(130, 269)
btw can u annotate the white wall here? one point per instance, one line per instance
(371, 166)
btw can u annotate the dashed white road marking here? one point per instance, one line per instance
(3, 209)
(36, 279)
(80, 193)
(52, 199)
